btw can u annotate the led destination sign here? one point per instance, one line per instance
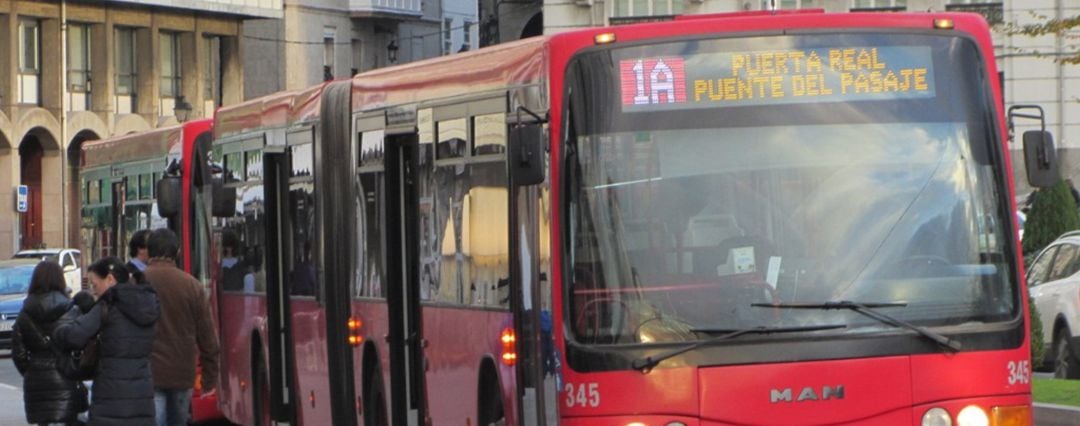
(711, 80)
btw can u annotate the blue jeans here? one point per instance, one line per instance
(172, 406)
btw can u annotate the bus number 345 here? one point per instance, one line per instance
(1019, 372)
(582, 395)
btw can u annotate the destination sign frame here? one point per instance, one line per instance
(667, 82)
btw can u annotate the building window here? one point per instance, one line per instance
(328, 53)
(78, 66)
(879, 5)
(170, 65)
(468, 37)
(448, 36)
(79, 58)
(627, 8)
(993, 11)
(29, 61)
(125, 61)
(212, 75)
(357, 55)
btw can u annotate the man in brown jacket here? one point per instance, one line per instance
(185, 324)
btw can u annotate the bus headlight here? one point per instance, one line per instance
(972, 415)
(936, 417)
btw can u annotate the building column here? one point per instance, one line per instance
(102, 77)
(9, 177)
(232, 79)
(9, 48)
(147, 70)
(52, 64)
(191, 64)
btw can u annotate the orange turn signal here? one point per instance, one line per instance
(1012, 415)
(509, 352)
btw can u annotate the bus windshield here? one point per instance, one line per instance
(706, 177)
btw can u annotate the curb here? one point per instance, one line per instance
(1055, 415)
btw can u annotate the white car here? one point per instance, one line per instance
(69, 259)
(1054, 286)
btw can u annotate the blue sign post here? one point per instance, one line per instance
(22, 199)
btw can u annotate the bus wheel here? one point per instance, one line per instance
(1065, 362)
(491, 411)
(375, 404)
(260, 394)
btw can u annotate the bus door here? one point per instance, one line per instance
(531, 296)
(119, 200)
(403, 293)
(279, 380)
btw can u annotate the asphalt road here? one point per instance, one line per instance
(12, 414)
(11, 402)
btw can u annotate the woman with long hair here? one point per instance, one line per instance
(48, 396)
(122, 320)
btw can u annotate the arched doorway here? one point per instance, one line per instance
(31, 225)
(73, 221)
(39, 172)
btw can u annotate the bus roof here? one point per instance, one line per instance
(525, 62)
(516, 63)
(152, 144)
(276, 110)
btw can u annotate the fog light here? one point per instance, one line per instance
(676, 424)
(972, 415)
(936, 417)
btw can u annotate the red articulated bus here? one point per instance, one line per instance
(121, 182)
(736, 219)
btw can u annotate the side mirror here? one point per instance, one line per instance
(526, 155)
(1040, 157)
(224, 198)
(169, 196)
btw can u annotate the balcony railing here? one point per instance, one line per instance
(386, 7)
(993, 12)
(253, 8)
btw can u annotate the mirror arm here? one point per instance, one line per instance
(537, 117)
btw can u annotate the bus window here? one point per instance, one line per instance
(490, 131)
(301, 275)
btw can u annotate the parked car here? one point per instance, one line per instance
(69, 259)
(14, 282)
(1054, 287)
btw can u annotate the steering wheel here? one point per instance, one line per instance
(592, 329)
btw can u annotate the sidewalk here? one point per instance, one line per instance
(11, 405)
(1056, 415)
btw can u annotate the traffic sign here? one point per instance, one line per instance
(22, 199)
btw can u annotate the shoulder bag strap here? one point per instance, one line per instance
(45, 337)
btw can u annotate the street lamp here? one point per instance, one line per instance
(391, 51)
(182, 109)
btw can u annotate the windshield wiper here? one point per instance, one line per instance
(868, 309)
(647, 363)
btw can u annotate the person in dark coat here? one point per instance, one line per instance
(48, 396)
(122, 320)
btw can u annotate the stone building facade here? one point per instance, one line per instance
(76, 71)
(317, 40)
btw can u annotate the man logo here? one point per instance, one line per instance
(807, 394)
